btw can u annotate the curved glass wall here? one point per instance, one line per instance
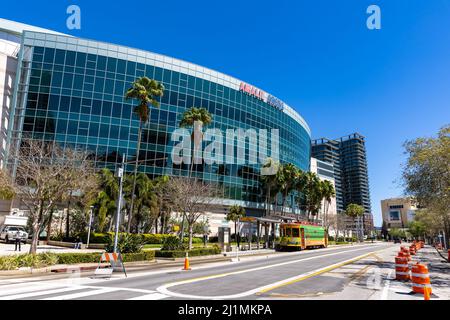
(72, 93)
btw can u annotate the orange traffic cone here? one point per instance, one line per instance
(426, 293)
(186, 262)
(420, 279)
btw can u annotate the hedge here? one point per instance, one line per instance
(40, 260)
(148, 238)
(192, 253)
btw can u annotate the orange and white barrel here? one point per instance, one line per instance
(401, 268)
(420, 278)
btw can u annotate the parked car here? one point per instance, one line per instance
(10, 233)
(397, 240)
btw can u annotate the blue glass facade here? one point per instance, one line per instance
(71, 91)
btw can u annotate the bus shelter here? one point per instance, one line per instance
(266, 228)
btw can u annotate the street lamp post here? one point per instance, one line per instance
(90, 224)
(119, 206)
(237, 235)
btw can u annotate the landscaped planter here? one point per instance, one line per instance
(192, 253)
(14, 262)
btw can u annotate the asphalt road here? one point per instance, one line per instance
(250, 278)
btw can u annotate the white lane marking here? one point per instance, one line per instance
(39, 293)
(385, 292)
(164, 288)
(28, 288)
(81, 294)
(152, 296)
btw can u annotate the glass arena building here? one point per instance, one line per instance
(70, 90)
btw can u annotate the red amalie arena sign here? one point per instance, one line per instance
(261, 95)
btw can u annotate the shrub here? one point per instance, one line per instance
(173, 243)
(213, 239)
(126, 243)
(192, 253)
(9, 263)
(48, 259)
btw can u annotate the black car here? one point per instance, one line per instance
(397, 240)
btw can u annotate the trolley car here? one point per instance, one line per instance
(301, 236)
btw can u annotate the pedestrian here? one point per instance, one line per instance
(78, 243)
(18, 243)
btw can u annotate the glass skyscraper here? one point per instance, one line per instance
(348, 157)
(71, 91)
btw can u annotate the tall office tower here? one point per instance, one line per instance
(348, 153)
(328, 151)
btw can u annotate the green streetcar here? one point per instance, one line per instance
(301, 236)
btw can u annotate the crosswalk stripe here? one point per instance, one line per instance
(22, 289)
(38, 293)
(81, 294)
(152, 296)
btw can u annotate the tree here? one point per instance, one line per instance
(417, 229)
(384, 230)
(45, 174)
(426, 175)
(328, 193)
(6, 191)
(310, 194)
(396, 233)
(105, 203)
(269, 180)
(285, 180)
(147, 91)
(192, 199)
(192, 116)
(431, 222)
(235, 213)
(197, 118)
(165, 195)
(354, 211)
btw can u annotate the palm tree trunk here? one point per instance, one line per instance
(135, 174)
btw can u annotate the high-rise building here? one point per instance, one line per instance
(348, 157)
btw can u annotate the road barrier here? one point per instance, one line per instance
(412, 250)
(420, 279)
(401, 267)
(115, 261)
(406, 253)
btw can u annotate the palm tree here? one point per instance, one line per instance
(145, 197)
(146, 91)
(190, 117)
(328, 194)
(234, 214)
(310, 189)
(286, 178)
(354, 211)
(107, 197)
(269, 180)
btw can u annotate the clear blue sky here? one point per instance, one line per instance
(318, 56)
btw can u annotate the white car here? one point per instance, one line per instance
(10, 233)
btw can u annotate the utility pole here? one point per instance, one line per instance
(119, 206)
